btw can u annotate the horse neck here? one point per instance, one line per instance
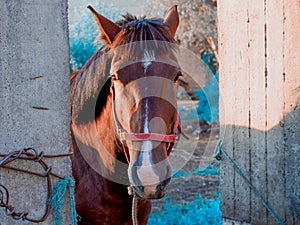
(112, 153)
(105, 125)
(96, 149)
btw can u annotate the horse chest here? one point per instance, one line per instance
(106, 211)
(106, 202)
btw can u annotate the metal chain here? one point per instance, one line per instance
(28, 154)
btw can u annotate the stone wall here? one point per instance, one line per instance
(34, 96)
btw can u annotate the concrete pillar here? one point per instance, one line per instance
(34, 97)
(259, 49)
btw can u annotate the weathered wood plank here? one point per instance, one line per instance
(291, 91)
(256, 51)
(241, 102)
(274, 108)
(234, 77)
(226, 119)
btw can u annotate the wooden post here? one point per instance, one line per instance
(259, 49)
(34, 96)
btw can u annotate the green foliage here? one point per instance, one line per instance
(209, 169)
(208, 105)
(198, 20)
(84, 31)
(198, 212)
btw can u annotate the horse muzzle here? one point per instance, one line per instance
(155, 191)
(149, 181)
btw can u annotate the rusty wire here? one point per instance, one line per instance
(27, 154)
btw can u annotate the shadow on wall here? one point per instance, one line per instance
(270, 160)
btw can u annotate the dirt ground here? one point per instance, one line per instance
(186, 187)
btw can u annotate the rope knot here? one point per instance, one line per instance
(130, 191)
(218, 151)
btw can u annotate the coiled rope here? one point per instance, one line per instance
(54, 197)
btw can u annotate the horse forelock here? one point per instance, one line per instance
(135, 29)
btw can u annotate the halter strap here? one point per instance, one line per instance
(147, 136)
(125, 136)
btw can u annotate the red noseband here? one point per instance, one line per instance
(147, 137)
(167, 138)
(127, 136)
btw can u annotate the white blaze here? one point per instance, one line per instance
(147, 60)
(146, 65)
(145, 172)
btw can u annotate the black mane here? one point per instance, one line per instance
(140, 29)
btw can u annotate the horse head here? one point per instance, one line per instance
(143, 76)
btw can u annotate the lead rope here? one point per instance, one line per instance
(134, 206)
(134, 210)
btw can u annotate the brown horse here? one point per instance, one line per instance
(124, 119)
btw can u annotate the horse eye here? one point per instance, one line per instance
(179, 74)
(113, 77)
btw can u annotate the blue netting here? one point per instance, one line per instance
(57, 200)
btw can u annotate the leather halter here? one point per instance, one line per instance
(129, 136)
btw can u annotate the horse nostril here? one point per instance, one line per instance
(162, 186)
(140, 189)
(137, 190)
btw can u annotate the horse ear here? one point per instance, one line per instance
(172, 19)
(107, 28)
